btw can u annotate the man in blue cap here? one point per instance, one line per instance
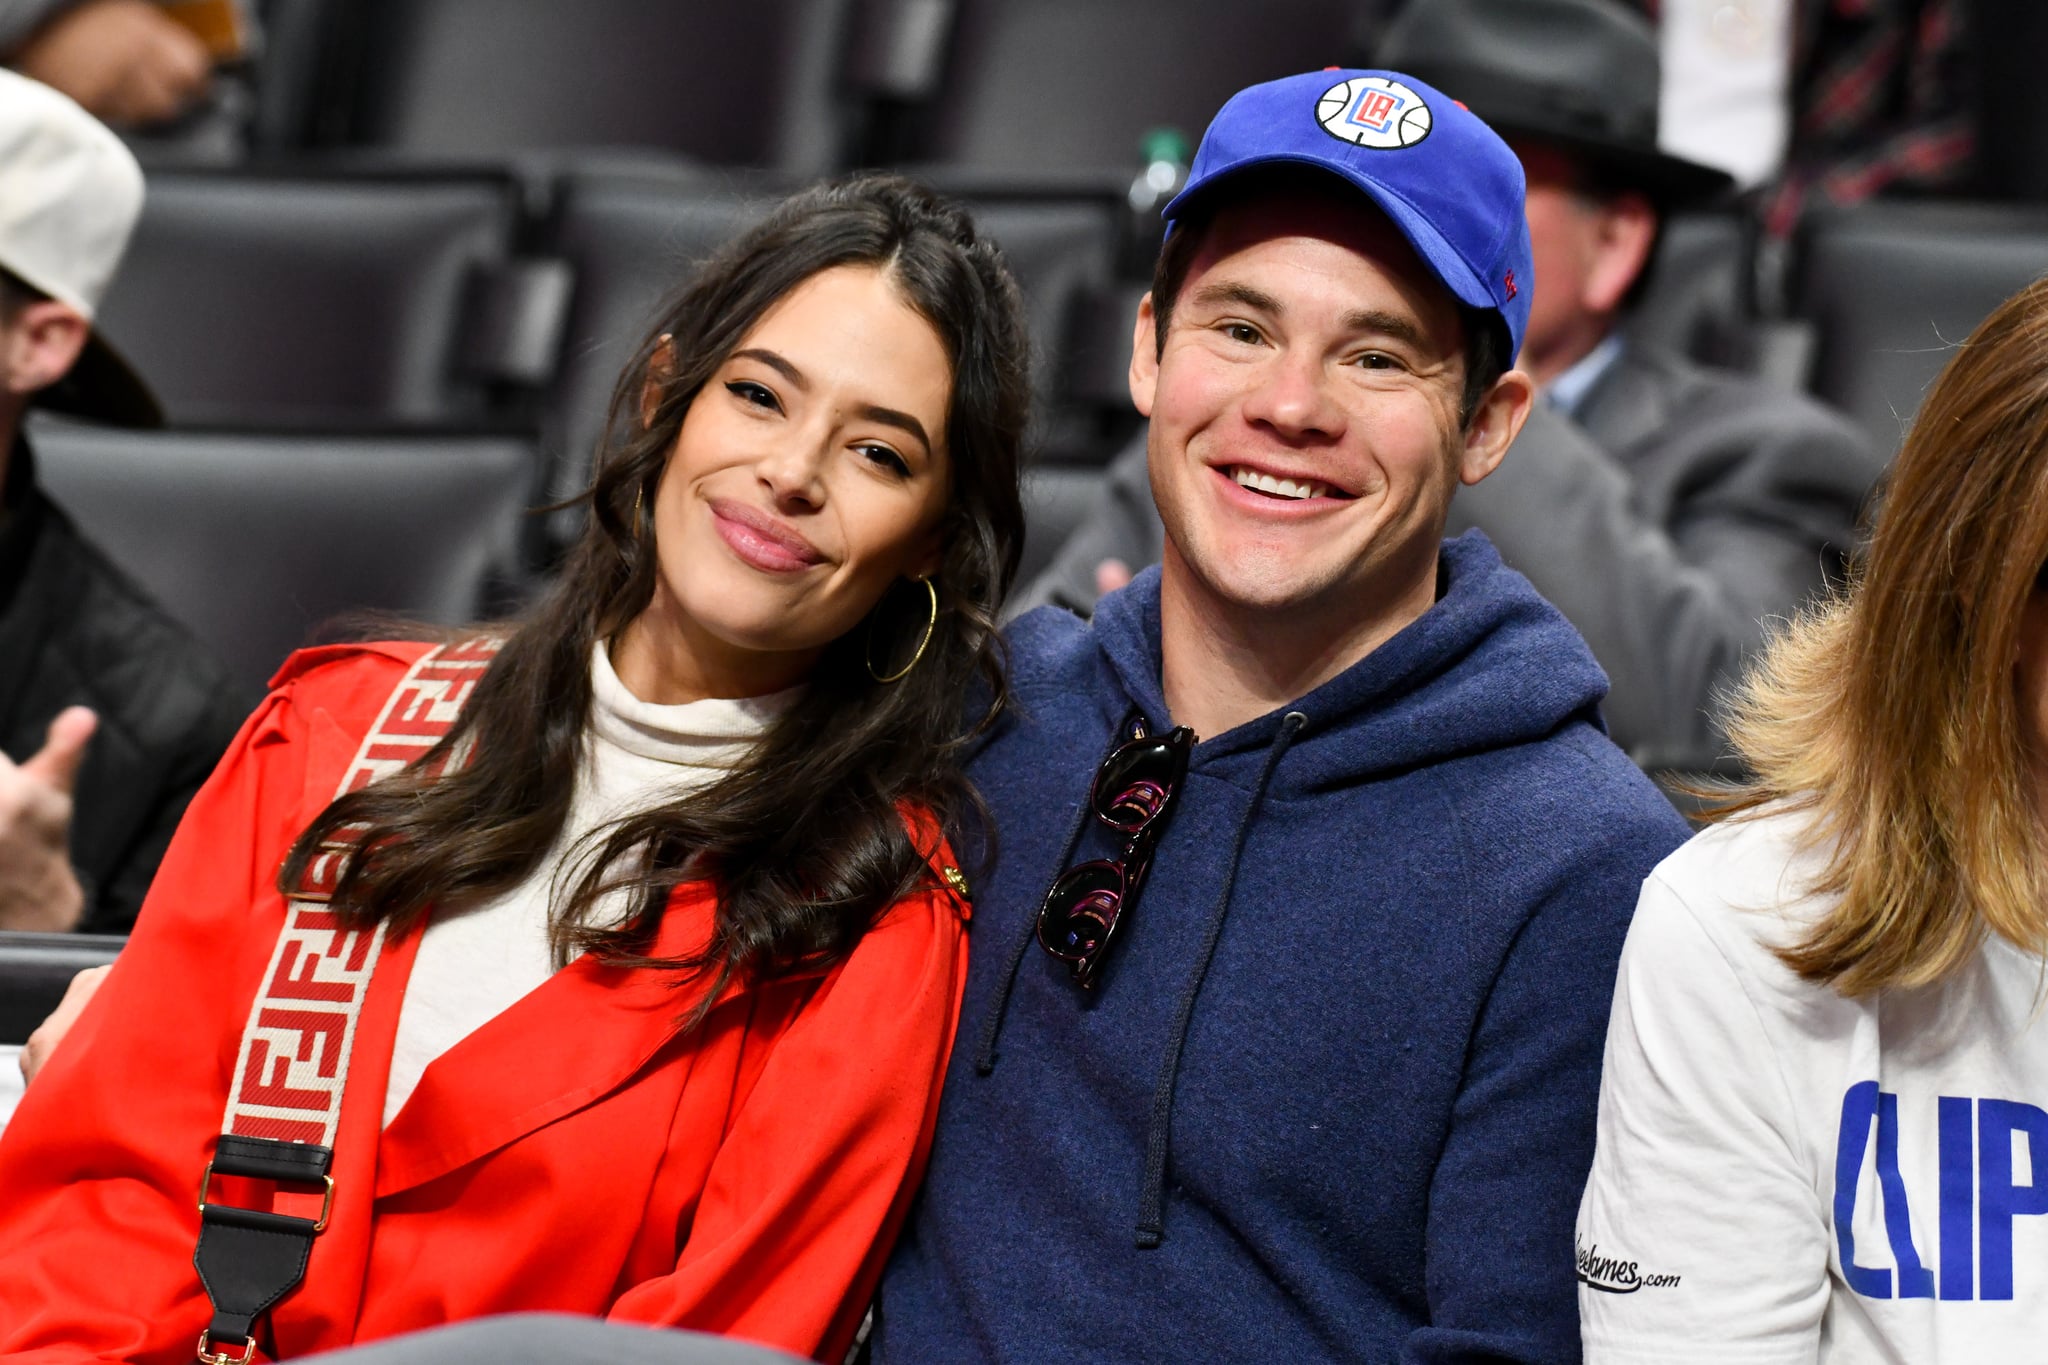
(1671, 510)
(1326, 1088)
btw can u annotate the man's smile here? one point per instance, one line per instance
(1274, 486)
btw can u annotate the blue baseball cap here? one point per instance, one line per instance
(1448, 182)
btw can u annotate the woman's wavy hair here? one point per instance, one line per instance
(1891, 713)
(805, 840)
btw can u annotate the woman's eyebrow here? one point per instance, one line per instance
(873, 412)
(901, 420)
(776, 363)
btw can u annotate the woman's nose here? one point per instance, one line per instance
(794, 474)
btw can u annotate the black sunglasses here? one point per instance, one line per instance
(1135, 789)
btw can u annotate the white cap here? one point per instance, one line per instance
(70, 193)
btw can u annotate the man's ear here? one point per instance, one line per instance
(1494, 425)
(1626, 233)
(41, 345)
(661, 364)
(1144, 357)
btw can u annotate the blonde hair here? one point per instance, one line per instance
(1891, 714)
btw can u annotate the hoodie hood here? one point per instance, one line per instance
(1490, 664)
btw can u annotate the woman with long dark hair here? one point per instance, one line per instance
(611, 968)
(1823, 1128)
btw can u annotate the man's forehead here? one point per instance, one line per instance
(1350, 223)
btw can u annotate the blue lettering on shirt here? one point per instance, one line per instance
(1979, 1193)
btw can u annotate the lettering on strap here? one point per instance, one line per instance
(294, 1060)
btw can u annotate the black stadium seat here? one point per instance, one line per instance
(1895, 287)
(1698, 287)
(751, 84)
(35, 969)
(255, 540)
(1057, 499)
(256, 301)
(1049, 85)
(1062, 248)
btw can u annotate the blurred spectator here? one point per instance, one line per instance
(1669, 510)
(1828, 100)
(125, 61)
(74, 633)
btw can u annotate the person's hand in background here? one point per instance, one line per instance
(125, 61)
(1110, 575)
(38, 889)
(36, 1052)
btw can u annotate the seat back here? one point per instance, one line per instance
(1893, 288)
(253, 541)
(1058, 498)
(255, 301)
(1062, 249)
(1698, 289)
(1066, 84)
(735, 84)
(34, 971)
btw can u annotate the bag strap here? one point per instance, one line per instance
(284, 1104)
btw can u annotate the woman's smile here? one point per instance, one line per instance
(761, 540)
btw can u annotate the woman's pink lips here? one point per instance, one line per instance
(760, 540)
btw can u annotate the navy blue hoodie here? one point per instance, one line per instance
(1333, 1094)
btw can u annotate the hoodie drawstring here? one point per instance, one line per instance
(1152, 1206)
(985, 1054)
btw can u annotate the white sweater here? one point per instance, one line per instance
(475, 963)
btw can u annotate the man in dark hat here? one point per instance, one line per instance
(110, 713)
(1671, 511)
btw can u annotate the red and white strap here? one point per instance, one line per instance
(295, 1048)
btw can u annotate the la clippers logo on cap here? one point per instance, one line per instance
(1373, 111)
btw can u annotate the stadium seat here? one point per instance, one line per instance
(1701, 302)
(35, 969)
(1057, 499)
(1698, 287)
(1070, 84)
(739, 85)
(1894, 287)
(296, 300)
(632, 238)
(1062, 248)
(255, 540)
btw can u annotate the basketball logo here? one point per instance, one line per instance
(1373, 111)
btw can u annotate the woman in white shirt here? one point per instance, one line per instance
(1823, 1127)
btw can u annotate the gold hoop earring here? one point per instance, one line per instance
(930, 625)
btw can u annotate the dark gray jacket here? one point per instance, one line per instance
(1681, 512)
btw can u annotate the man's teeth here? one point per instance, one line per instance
(1279, 488)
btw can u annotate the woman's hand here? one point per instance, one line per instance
(44, 1040)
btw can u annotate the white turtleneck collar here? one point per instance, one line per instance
(474, 963)
(696, 734)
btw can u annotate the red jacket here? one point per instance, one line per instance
(572, 1154)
